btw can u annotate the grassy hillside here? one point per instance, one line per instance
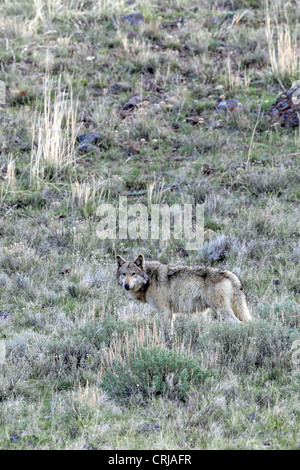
(85, 367)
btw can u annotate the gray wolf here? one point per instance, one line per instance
(178, 289)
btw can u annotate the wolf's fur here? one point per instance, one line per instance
(175, 289)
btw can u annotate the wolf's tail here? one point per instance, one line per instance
(239, 304)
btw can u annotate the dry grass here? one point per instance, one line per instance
(65, 321)
(54, 134)
(282, 43)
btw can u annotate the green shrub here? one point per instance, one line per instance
(85, 342)
(100, 334)
(245, 347)
(151, 372)
(287, 312)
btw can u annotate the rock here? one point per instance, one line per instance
(267, 443)
(120, 86)
(228, 105)
(207, 169)
(134, 35)
(148, 427)
(277, 283)
(86, 147)
(133, 150)
(90, 137)
(4, 316)
(182, 252)
(286, 108)
(133, 19)
(166, 187)
(194, 120)
(88, 140)
(15, 439)
(65, 270)
(132, 103)
(29, 436)
(25, 146)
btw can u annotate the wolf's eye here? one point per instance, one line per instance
(123, 274)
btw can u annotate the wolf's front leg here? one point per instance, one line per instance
(173, 319)
(165, 323)
(229, 316)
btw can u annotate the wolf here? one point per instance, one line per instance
(179, 289)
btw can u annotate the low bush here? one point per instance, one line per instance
(151, 372)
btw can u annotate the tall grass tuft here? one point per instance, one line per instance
(54, 133)
(282, 44)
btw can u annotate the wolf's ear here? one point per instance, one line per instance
(140, 262)
(120, 261)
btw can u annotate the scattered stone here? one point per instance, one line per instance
(277, 283)
(167, 187)
(174, 24)
(182, 252)
(133, 150)
(228, 105)
(286, 108)
(207, 169)
(132, 103)
(267, 443)
(176, 126)
(159, 45)
(65, 270)
(86, 147)
(88, 140)
(120, 86)
(4, 316)
(134, 35)
(148, 427)
(133, 19)
(194, 120)
(29, 436)
(90, 137)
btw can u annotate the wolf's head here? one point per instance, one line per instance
(131, 275)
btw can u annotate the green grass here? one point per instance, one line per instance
(70, 327)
